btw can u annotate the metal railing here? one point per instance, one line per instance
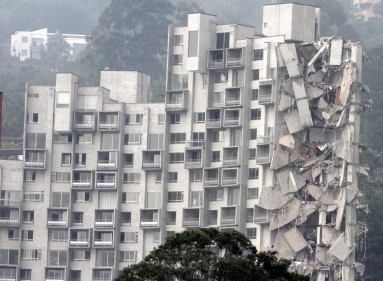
(231, 121)
(263, 158)
(266, 139)
(229, 180)
(265, 98)
(213, 123)
(228, 220)
(10, 202)
(210, 181)
(234, 61)
(190, 222)
(230, 160)
(233, 101)
(218, 63)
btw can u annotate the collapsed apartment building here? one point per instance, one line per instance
(314, 202)
(258, 133)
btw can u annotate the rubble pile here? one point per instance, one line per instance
(313, 204)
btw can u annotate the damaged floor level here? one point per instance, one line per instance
(313, 204)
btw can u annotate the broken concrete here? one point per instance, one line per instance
(340, 248)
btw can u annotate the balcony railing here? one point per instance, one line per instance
(103, 222)
(103, 242)
(228, 220)
(190, 222)
(81, 183)
(175, 104)
(78, 242)
(190, 163)
(145, 222)
(146, 164)
(266, 139)
(56, 222)
(265, 98)
(213, 123)
(10, 202)
(217, 103)
(33, 163)
(263, 158)
(233, 101)
(210, 182)
(108, 126)
(106, 164)
(230, 161)
(195, 144)
(85, 125)
(229, 180)
(9, 221)
(232, 121)
(213, 222)
(217, 63)
(261, 218)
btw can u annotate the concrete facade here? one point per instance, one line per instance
(108, 176)
(29, 44)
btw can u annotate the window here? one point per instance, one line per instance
(84, 139)
(215, 136)
(215, 156)
(130, 197)
(252, 154)
(34, 196)
(176, 138)
(78, 217)
(81, 197)
(33, 95)
(158, 177)
(80, 159)
(27, 235)
(156, 141)
(128, 160)
(255, 74)
(62, 138)
(60, 199)
(233, 196)
(13, 234)
(253, 173)
(216, 195)
(132, 178)
(177, 59)
(110, 141)
(29, 176)
(35, 140)
(63, 99)
(25, 274)
(196, 175)
(80, 255)
(24, 39)
(32, 117)
(133, 119)
(220, 77)
(198, 139)
(87, 102)
(156, 237)
(153, 200)
(132, 139)
(252, 193)
(176, 157)
(170, 233)
(24, 52)
(66, 159)
(193, 43)
(28, 216)
(75, 275)
(172, 177)
(253, 134)
(128, 237)
(62, 177)
(238, 78)
(126, 218)
(251, 232)
(175, 196)
(128, 256)
(258, 54)
(57, 235)
(198, 117)
(31, 254)
(255, 114)
(171, 218)
(105, 258)
(178, 40)
(179, 81)
(254, 94)
(175, 118)
(196, 198)
(161, 119)
(223, 40)
(217, 99)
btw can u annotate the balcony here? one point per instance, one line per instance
(191, 218)
(84, 121)
(7, 202)
(229, 177)
(102, 275)
(9, 216)
(55, 274)
(57, 218)
(176, 101)
(235, 58)
(231, 156)
(193, 159)
(263, 154)
(194, 144)
(216, 59)
(103, 238)
(213, 119)
(151, 160)
(265, 94)
(232, 118)
(8, 273)
(211, 178)
(260, 215)
(107, 160)
(106, 180)
(79, 238)
(229, 216)
(150, 218)
(82, 180)
(35, 159)
(233, 97)
(104, 218)
(265, 139)
(108, 121)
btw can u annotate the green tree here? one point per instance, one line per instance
(207, 255)
(57, 53)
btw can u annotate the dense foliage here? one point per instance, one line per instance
(209, 255)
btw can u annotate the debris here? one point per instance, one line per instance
(340, 248)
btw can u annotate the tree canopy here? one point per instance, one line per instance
(209, 255)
